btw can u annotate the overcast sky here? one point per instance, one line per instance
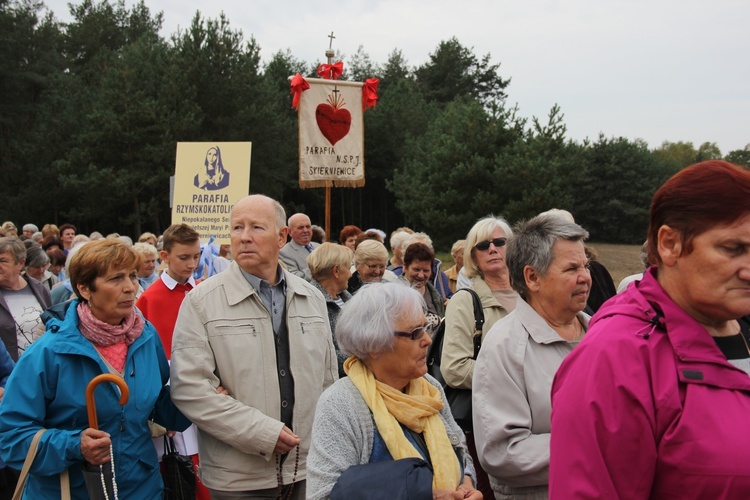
(676, 70)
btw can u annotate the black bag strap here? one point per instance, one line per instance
(478, 321)
(435, 351)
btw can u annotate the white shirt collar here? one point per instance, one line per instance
(171, 283)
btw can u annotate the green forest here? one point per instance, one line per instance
(92, 110)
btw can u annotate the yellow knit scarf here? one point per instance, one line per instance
(418, 409)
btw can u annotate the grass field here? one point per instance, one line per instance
(620, 260)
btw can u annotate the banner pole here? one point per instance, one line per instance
(329, 55)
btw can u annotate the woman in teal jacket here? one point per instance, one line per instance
(101, 332)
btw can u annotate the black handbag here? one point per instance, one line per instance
(177, 473)
(405, 479)
(458, 399)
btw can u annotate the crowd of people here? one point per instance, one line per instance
(297, 368)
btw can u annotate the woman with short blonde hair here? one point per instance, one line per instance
(330, 268)
(148, 238)
(147, 270)
(370, 260)
(327, 256)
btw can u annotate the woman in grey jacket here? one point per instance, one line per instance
(513, 373)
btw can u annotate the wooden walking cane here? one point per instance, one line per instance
(91, 405)
(96, 477)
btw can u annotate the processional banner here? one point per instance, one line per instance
(331, 131)
(210, 177)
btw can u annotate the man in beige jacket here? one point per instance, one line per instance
(262, 335)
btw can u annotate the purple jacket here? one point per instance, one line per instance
(648, 407)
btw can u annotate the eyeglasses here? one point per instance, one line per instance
(485, 245)
(415, 334)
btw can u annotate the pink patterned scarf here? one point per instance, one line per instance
(112, 341)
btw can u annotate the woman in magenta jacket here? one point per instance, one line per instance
(655, 401)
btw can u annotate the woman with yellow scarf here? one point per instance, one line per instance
(387, 408)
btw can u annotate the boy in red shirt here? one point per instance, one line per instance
(160, 303)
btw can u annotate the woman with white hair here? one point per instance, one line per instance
(396, 263)
(29, 230)
(329, 266)
(513, 374)
(484, 263)
(387, 409)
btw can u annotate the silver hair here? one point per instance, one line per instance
(557, 212)
(36, 257)
(482, 231)
(398, 238)
(367, 323)
(15, 246)
(277, 208)
(531, 245)
(416, 238)
(146, 249)
(30, 227)
(280, 214)
(289, 222)
(125, 239)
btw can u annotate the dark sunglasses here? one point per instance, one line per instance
(415, 334)
(485, 245)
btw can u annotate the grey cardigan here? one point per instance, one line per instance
(343, 433)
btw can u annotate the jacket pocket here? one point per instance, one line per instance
(311, 333)
(310, 340)
(224, 327)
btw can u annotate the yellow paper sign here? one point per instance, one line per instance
(210, 177)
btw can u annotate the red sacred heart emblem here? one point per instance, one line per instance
(334, 121)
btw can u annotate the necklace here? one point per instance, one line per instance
(577, 332)
(742, 336)
(294, 477)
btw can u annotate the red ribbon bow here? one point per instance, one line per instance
(370, 92)
(299, 85)
(331, 71)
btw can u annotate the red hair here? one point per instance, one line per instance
(700, 197)
(348, 232)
